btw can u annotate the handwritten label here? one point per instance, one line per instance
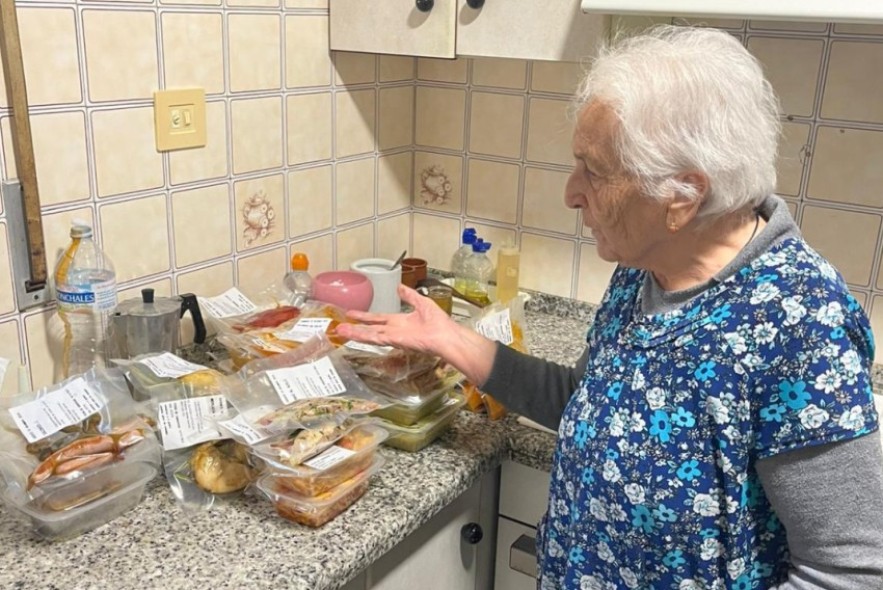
(496, 326)
(169, 366)
(304, 329)
(228, 304)
(186, 422)
(329, 458)
(316, 379)
(72, 403)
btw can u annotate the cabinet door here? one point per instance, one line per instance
(516, 566)
(529, 29)
(393, 26)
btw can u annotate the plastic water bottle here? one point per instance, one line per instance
(478, 270)
(298, 281)
(469, 238)
(86, 297)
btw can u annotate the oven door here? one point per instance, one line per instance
(516, 563)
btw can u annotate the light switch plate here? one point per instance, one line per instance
(179, 118)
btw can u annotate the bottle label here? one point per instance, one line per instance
(186, 422)
(72, 403)
(316, 379)
(102, 297)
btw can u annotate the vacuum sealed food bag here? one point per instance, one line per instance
(162, 376)
(83, 453)
(200, 475)
(290, 449)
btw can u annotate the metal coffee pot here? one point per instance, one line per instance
(153, 324)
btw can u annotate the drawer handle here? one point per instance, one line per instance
(425, 5)
(476, 4)
(472, 533)
(523, 556)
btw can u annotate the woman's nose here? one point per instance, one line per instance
(574, 196)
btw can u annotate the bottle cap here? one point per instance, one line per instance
(80, 229)
(481, 246)
(469, 235)
(299, 261)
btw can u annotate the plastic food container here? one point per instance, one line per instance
(416, 436)
(406, 414)
(350, 455)
(316, 511)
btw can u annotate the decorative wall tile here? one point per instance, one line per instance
(394, 68)
(544, 201)
(125, 162)
(435, 239)
(847, 239)
(792, 66)
(846, 166)
(319, 250)
(560, 77)
(310, 200)
(354, 68)
(120, 54)
(496, 124)
(308, 60)
(201, 224)
(354, 129)
(441, 114)
(309, 127)
(393, 236)
(193, 51)
(442, 70)
(355, 190)
(257, 134)
(260, 211)
(7, 296)
(396, 127)
(135, 236)
(206, 162)
(353, 244)
(594, 274)
(394, 182)
(499, 73)
(10, 350)
(792, 152)
(549, 132)
(854, 86)
(255, 52)
(537, 271)
(492, 190)
(255, 273)
(437, 181)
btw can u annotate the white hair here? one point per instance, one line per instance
(690, 99)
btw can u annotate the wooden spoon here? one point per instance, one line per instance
(430, 282)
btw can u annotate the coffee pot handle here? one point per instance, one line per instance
(190, 303)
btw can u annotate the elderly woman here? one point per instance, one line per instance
(719, 430)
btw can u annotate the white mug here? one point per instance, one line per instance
(385, 282)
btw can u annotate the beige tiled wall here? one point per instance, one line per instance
(298, 142)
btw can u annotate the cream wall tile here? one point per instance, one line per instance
(260, 211)
(309, 127)
(57, 230)
(50, 56)
(853, 86)
(319, 250)
(353, 244)
(396, 117)
(193, 50)
(876, 317)
(792, 208)
(354, 68)
(355, 190)
(60, 153)
(120, 54)
(255, 3)
(193, 2)
(306, 3)
(44, 353)
(496, 124)
(544, 201)
(792, 66)
(206, 282)
(492, 190)
(497, 236)
(308, 59)
(435, 239)
(205, 162)
(880, 275)
(7, 297)
(254, 52)
(594, 274)
(442, 70)
(846, 166)
(500, 73)
(257, 134)
(561, 77)
(125, 162)
(852, 250)
(309, 200)
(394, 68)
(393, 236)
(862, 299)
(549, 132)
(437, 181)
(716, 23)
(135, 235)
(256, 273)
(441, 113)
(201, 223)
(851, 29)
(795, 137)
(354, 128)
(161, 288)
(10, 350)
(771, 25)
(394, 182)
(546, 264)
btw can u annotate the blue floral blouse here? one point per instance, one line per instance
(654, 483)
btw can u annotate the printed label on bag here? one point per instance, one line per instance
(186, 422)
(496, 326)
(316, 379)
(73, 403)
(227, 305)
(372, 348)
(329, 458)
(169, 366)
(240, 427)
(304, 329)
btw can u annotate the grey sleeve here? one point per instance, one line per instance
(830, 501)
(535, 388)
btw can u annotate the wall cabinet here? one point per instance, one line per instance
(525, 29)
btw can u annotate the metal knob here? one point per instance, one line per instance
(476, 4)
(425, 5)
(472, 533)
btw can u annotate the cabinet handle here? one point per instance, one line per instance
(472, 533)
(476, 4)
(425, 5)
(523, 556)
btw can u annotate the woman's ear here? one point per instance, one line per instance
(690, 190)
